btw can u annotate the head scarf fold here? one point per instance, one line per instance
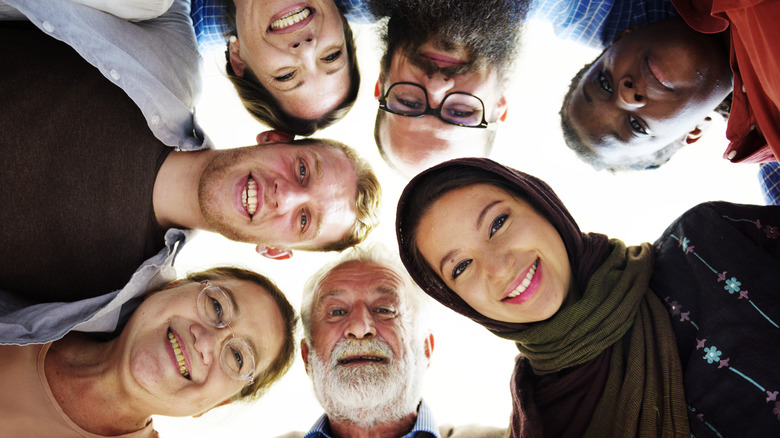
(641, 392)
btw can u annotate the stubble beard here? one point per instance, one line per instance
(368, 394)
(212, 178)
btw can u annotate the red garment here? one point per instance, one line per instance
(754, 123)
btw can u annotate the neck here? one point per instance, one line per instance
(85, 381)
(347, 429)
(175, 198)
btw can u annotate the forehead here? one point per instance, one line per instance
(355, 280)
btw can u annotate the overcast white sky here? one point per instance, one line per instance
(468, 380)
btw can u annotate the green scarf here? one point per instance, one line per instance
(643, 395)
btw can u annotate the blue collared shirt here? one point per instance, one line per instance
(24, 323)
(155, 62)
(596, 23)
(425, 426)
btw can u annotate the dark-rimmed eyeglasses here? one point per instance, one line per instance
(411, 100)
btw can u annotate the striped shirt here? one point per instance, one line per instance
(425, 426)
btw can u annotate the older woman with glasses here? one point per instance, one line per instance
(218, 336)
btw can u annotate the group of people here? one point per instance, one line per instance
(109, 173)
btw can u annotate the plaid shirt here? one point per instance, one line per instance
(424, 427)
(769, 178)
(596, 23)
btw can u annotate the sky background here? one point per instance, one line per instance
(468, 379)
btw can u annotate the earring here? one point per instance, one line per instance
(233, 38)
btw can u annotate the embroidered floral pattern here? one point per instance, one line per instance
(771, 232)
(732, 285)
(712, 354)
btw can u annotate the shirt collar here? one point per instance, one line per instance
(425, 424)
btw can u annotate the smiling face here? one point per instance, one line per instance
(288, 195)
(412, 144)
(508, 262)
(169, 319)
(365, 362)
(651, 88)
(297, 50)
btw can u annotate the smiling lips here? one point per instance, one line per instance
(290, 18)
(523, 284)
(249, 196)
(179, 355)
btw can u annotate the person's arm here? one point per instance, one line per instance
(131, 10)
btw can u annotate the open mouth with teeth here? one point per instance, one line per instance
(290, 19)
(524, 284)
(179, 355)
(363, 359)
(249, 196)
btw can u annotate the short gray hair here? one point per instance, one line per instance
(416, 303)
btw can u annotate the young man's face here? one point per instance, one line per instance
(287, 195)
(416, 143)
(649, 89)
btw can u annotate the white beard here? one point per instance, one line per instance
(368, 394)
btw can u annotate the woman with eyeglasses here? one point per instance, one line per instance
(216, 337)
(675, 339)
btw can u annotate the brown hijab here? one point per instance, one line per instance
(586, 251)
(606, 364)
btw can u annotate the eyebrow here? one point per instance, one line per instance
(477, 226)
(232, 299)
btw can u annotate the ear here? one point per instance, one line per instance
(501, 110)
(274, 136)
(429, 348)
(305, 355)
(378, 88)
(226, 402)
(274, 253)
(235, 58)
(698, 131)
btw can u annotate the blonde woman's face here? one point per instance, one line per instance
(297, 50)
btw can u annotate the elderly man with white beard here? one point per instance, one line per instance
(366, 347)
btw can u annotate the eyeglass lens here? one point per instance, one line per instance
(215, 309)
(457, 108)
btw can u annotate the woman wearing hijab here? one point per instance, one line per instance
(614, 340)
(218, 336)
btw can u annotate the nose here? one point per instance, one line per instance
(288, 196)
(208, 342)
(303, 43)
(497, 268)
(629, 95)
(360, 324)
(437, 86)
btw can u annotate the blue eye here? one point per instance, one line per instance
(604, 83)
(460, 267)
(302, 172)
(284, 78)
(497, 223)
(239, 359)
(333, 56)
(337, 312)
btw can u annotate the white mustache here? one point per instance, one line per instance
(353, 347)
